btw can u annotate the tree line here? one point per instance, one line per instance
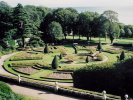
(44, 25)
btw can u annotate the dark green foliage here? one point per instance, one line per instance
(36, 42)
(76, 51)
(46, 49)
(55, 63)
(5, 88)
(87, 59)
(123, 44)
(122, 55)
(7, 94)
(99, 47)
(116, 79)
(61, 56)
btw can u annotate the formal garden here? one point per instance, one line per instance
(92, 51)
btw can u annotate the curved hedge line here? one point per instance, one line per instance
(114, 78)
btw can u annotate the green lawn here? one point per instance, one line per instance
(78, 62)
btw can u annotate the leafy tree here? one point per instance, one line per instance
(122, 32)
(21, 22)
(122, 56)
(5, 23)
(86, 19)
(55, 62)
(112, 16)
(35, 41)
(129, 32)
(55, 32)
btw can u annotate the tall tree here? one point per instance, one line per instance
(112, 16)
(5, 23)
(21, 22)
(55, 32)
(86, 19)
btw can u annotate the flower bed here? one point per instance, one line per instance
(26, 56)
(26, 70)
(56, 75)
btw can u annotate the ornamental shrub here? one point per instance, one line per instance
(87, 59)
(61, 56)
(55, 62)
(46, 49)
(122, 55)
(99, 47)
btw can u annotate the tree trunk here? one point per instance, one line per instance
(23, 42)
(73, 37)
(79, 35)
(87, 36)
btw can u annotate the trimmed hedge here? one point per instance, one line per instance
(114, 78)
(123, 44)
(62, 89)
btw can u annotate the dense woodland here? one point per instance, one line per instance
(44, 25)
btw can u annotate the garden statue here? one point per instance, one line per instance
(19, 78)
(104, 95)
(56, 87)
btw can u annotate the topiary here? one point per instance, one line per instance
(87, 59)
(4, 88)
(99, 47)
(55, 62)
(46, 49)
(61, 56)
(122, 55)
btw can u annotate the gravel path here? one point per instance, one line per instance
(2, 59)
(41, 95)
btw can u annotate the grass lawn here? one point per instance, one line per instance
(96, 40)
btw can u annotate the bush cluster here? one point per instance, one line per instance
(7, 94)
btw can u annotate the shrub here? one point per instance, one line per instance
(60, 56)
(4, 88)
(87, 59)
(46, 49)
(122, 55)
(99, 47)
(55, 63)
